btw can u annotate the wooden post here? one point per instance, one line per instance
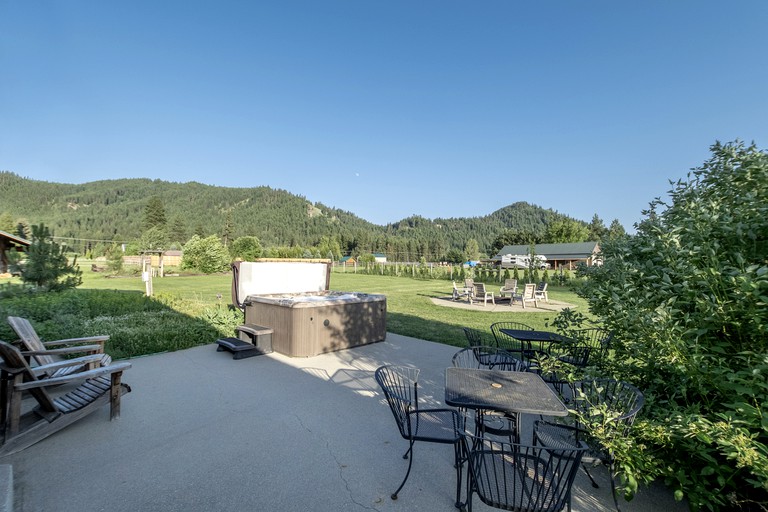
(114, 396)
(146, 275)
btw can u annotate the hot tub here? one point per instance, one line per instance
(292, 298)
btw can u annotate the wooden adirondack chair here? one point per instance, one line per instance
(459, 293)
(509, 289)
(529, 295)
(21, 428)
(44, 353)
(482, 293)
(541, 292)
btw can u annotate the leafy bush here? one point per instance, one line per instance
(150, 332)
(247, 248)
(686, 297)
(137, 325)
(208, 255)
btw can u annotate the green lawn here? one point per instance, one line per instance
(410, 310)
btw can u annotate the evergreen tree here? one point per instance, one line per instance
(6, 222)
(115, 259)
(154, 213)
(512, 237)
(227, 229)
(177, 231)
(23, 230)
(47, 266)
(597, 229)
(616, 229)
(472, 249)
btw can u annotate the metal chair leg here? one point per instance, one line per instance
(591, 479)
(407, 473)
(458, 454)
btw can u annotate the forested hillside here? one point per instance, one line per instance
(101, 212)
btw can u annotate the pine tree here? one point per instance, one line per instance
(616, 229)
(227, 229)
(177, 231)
(6, 222)
(47, 266)
(597, 229)
(115, 259)
(154, 213)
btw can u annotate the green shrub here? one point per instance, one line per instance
(149, 332)
(686, 298)
(137, 325)
(208, 255)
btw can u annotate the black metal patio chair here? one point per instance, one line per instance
(478, 338)
(604, 400)
(519, 349)
(487, 357)
(589, 347)
(444, 426)
(522, 478)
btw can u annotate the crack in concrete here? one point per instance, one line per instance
(301, 422)
(346, 482)
(341, 469)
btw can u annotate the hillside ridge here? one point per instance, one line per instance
(113, 210)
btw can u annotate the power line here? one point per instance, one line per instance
(89, 239)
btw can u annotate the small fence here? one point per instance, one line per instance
(450, 272)
(168, 260)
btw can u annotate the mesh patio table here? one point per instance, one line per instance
(539, 342)
(515, 393)
(536, 336)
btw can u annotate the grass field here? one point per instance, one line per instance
(410, 310)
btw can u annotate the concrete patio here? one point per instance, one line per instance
(203, 432)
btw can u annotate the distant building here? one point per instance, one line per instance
(566, 255)
(379, 257)
(347, 260)
(10, 242)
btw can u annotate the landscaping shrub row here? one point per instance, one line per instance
(137, 325)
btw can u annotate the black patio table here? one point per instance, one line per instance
(538, 341)
(540, 336)
(508, 392)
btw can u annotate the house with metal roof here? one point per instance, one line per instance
(565, 255)
(10, 242)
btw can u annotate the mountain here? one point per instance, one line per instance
(113, 210)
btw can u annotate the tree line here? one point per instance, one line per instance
(149, 214)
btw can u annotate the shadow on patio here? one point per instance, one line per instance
(204, 432)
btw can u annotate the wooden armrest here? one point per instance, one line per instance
(66, 350)
(77, 361)
(54, 381)
(70, 341)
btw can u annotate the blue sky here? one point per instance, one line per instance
(385, 108)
